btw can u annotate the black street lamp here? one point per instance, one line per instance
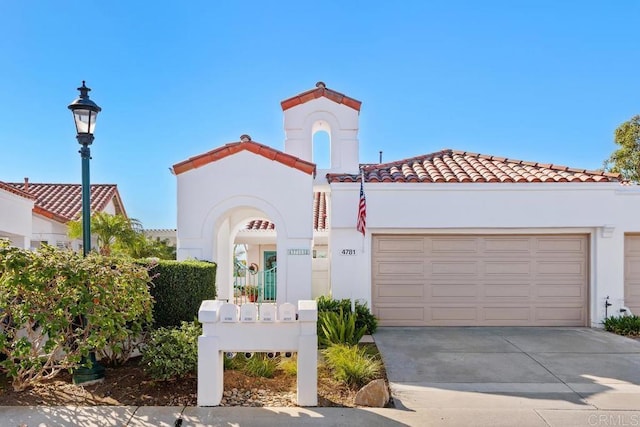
(85, 112)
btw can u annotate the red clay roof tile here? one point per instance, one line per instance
(459, 166)
(235, 147)
(321, 90)
(11, 189)
(63, 202)
(320, 222)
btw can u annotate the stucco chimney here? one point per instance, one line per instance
(26, 183)
(245, 138)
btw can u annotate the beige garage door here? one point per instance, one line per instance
(632, 272)
(480, 280)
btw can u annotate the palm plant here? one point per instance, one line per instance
(112, 231)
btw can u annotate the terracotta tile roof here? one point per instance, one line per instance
(319, 91)
(451, 166)
(63, 202)
(245, 144)
(260, 224)
(320, 222)
(11, 189)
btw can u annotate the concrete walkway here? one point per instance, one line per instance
(440, 377)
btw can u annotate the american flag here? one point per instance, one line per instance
(361, 225)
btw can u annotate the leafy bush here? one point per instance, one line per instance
(260, 366)
(172, 352)
(179, 287)
(57, 306)
(364, 317)
(351, 364)
(624, 325)
(338, 328)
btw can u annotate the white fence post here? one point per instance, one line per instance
(229, 328)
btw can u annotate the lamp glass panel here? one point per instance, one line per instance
(85, 120)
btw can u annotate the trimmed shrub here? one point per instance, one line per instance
(57, 306)
(179, 287)
(364, 317)
(338, 328)
(172, 352)
(623, 325)
(351, 364)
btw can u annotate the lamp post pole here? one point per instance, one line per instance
(85, 112)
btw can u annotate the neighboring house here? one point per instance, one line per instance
(15, 215)
(168, 234)
(53, 205)
(452, 238)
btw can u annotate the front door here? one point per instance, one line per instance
(270, 264)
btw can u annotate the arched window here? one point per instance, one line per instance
(322, 149)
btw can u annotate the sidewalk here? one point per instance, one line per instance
(461, 415)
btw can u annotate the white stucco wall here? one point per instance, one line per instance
(216, 200)
(338, 120)
(603, 211)
(15, 218)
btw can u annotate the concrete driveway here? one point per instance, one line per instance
(513, 376)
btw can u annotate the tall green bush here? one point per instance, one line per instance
(172, 352)
(338, 328)
(179, 287)
(56, 307)
(364, 317)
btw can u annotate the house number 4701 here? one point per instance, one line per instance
(348, 252)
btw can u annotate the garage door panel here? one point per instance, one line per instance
(507, 246)
(632, 268)
(508, 315)
(562, 269)
(464, 313)
(507, 267)
(560, 246)
(397, 291)
(447, 246)
(548, 314)
(507, 290)
(400, 268)
(400, 246)
(560, 290)
(401, 313)
(492, 280)
(454, 268)
(451, 290)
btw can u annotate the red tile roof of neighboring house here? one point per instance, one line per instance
(63, 202)
(245, 144)
(320, 91)
(319, 216)
(11, 189)
(451, 166)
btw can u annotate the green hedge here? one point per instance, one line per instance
(179, 287)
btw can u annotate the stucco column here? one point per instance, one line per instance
(297, 284)
(607, 273)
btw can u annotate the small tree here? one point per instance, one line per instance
(626, 159)
(112, 231)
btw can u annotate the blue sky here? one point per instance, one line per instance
(542, 80)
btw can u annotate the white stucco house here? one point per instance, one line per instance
(35, 213)
(16, 223)
(452, 238)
